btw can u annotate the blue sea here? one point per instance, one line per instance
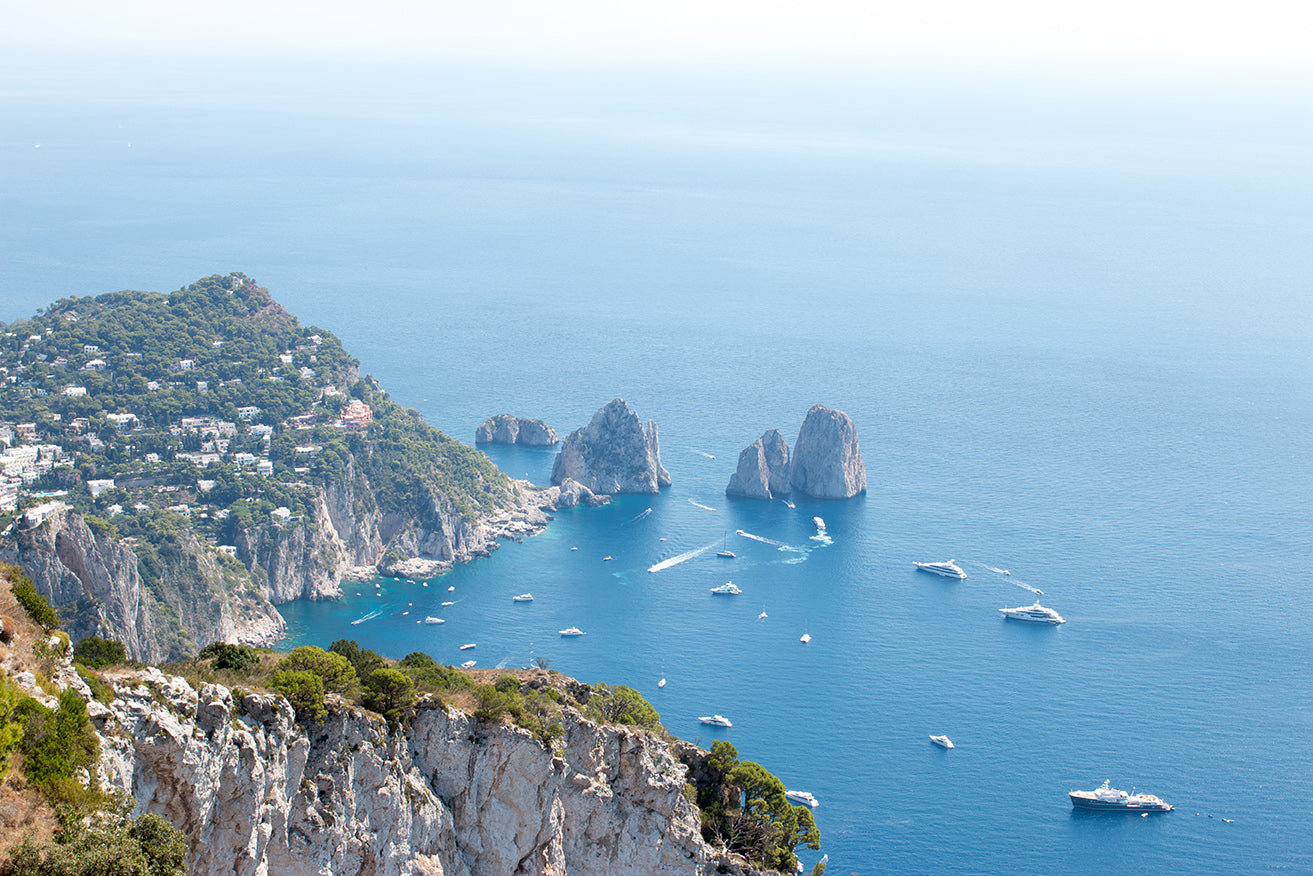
(1071, 321)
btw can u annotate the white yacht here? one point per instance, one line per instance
(1108, 799)
(523, 597)
(716, 720)
(729, 588)
(469, 646)
(942, 741)
(434, 620)
(805, 638)
(949, 569)
(1034, 613)
(805, 797)
(468, 664)
(572, 631)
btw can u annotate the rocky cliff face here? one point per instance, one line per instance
(763, 471)
(95, 581)
(827, 461)
(453, 796)
(613, 454)
(507, 429)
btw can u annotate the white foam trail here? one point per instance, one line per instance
(640, 515)
(700, 505)
(370, 616)
(761, 538)
(1024, 586)
(703, 453)
(679, 558)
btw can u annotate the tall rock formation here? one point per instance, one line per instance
(613, 454)
(827, 461)
(507, 429)
(763, 471)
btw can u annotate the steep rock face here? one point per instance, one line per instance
(453, 795)
(95, 581)
(613, 454)
(827, 461)
(507, 429)
(763, 471)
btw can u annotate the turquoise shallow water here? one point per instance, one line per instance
(1075, 349)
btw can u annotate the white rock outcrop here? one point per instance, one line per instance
(452, 796)
(613, 454)
(827, 461)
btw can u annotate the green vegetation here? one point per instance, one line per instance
(104, 843)
(226, 656)
(744, 808)
(97, 653)
(621, 705)
(32, 601)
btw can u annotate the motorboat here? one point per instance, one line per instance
(523, 597)
(469, 646)
(1108, 799)
(468, 664)
(729, 588)
(942, 741)
(805, 797)
(1036, 613)
(662, 682)
(445, 604)
(949, 569)
(434, 620)
(805, 638)
(572, 631)
(716, 720)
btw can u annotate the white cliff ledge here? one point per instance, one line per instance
(452, 795)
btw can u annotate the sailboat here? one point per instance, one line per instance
(762, 616)
(806, 636)
(725, 551)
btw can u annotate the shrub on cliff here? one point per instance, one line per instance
(621, 705)
(108, 843)
(334, 670)
(391, 693)
(97, 653)
(304, 690)
(237, 658)
(57, 745)
(32, 601)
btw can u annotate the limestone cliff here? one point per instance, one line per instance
(507, 429)
(613, 454)
(96, 581)
(827, 461)
(453, 795)
(763, 471)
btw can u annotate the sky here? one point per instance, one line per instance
(1192, 33)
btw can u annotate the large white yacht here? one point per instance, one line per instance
(572, 631)
(1034, 613)
(716, 720)
(434, 620)
(942, 741)
(805, 797)
(1108, 799)
(729, 588)
(949, 569)
(523, 597)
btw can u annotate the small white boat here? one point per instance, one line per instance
(716, 720)
(662, 682)
(404, 613)
(805, 797)
(729, 555)
(762, 616)
(377, 585)
(574, 548)
(572, 631)
(467, 647)
(942, 741)
(451, 589)
(606, 559)
(426, 583)
(805, 638)
(434, 620)
(468, 664)
(729, 588)
(523, 597)
(445, 604)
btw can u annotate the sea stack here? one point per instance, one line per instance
(506, 429)
(613, 454)
(827, 461)
(763, 471)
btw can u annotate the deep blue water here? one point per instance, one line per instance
(1074, 338)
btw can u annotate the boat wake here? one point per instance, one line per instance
(821, 535)
(761, 538)
(703, 453)
(1024, 586)
(679, 558)
(370, 616)
(639, 516)
(700, 505)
